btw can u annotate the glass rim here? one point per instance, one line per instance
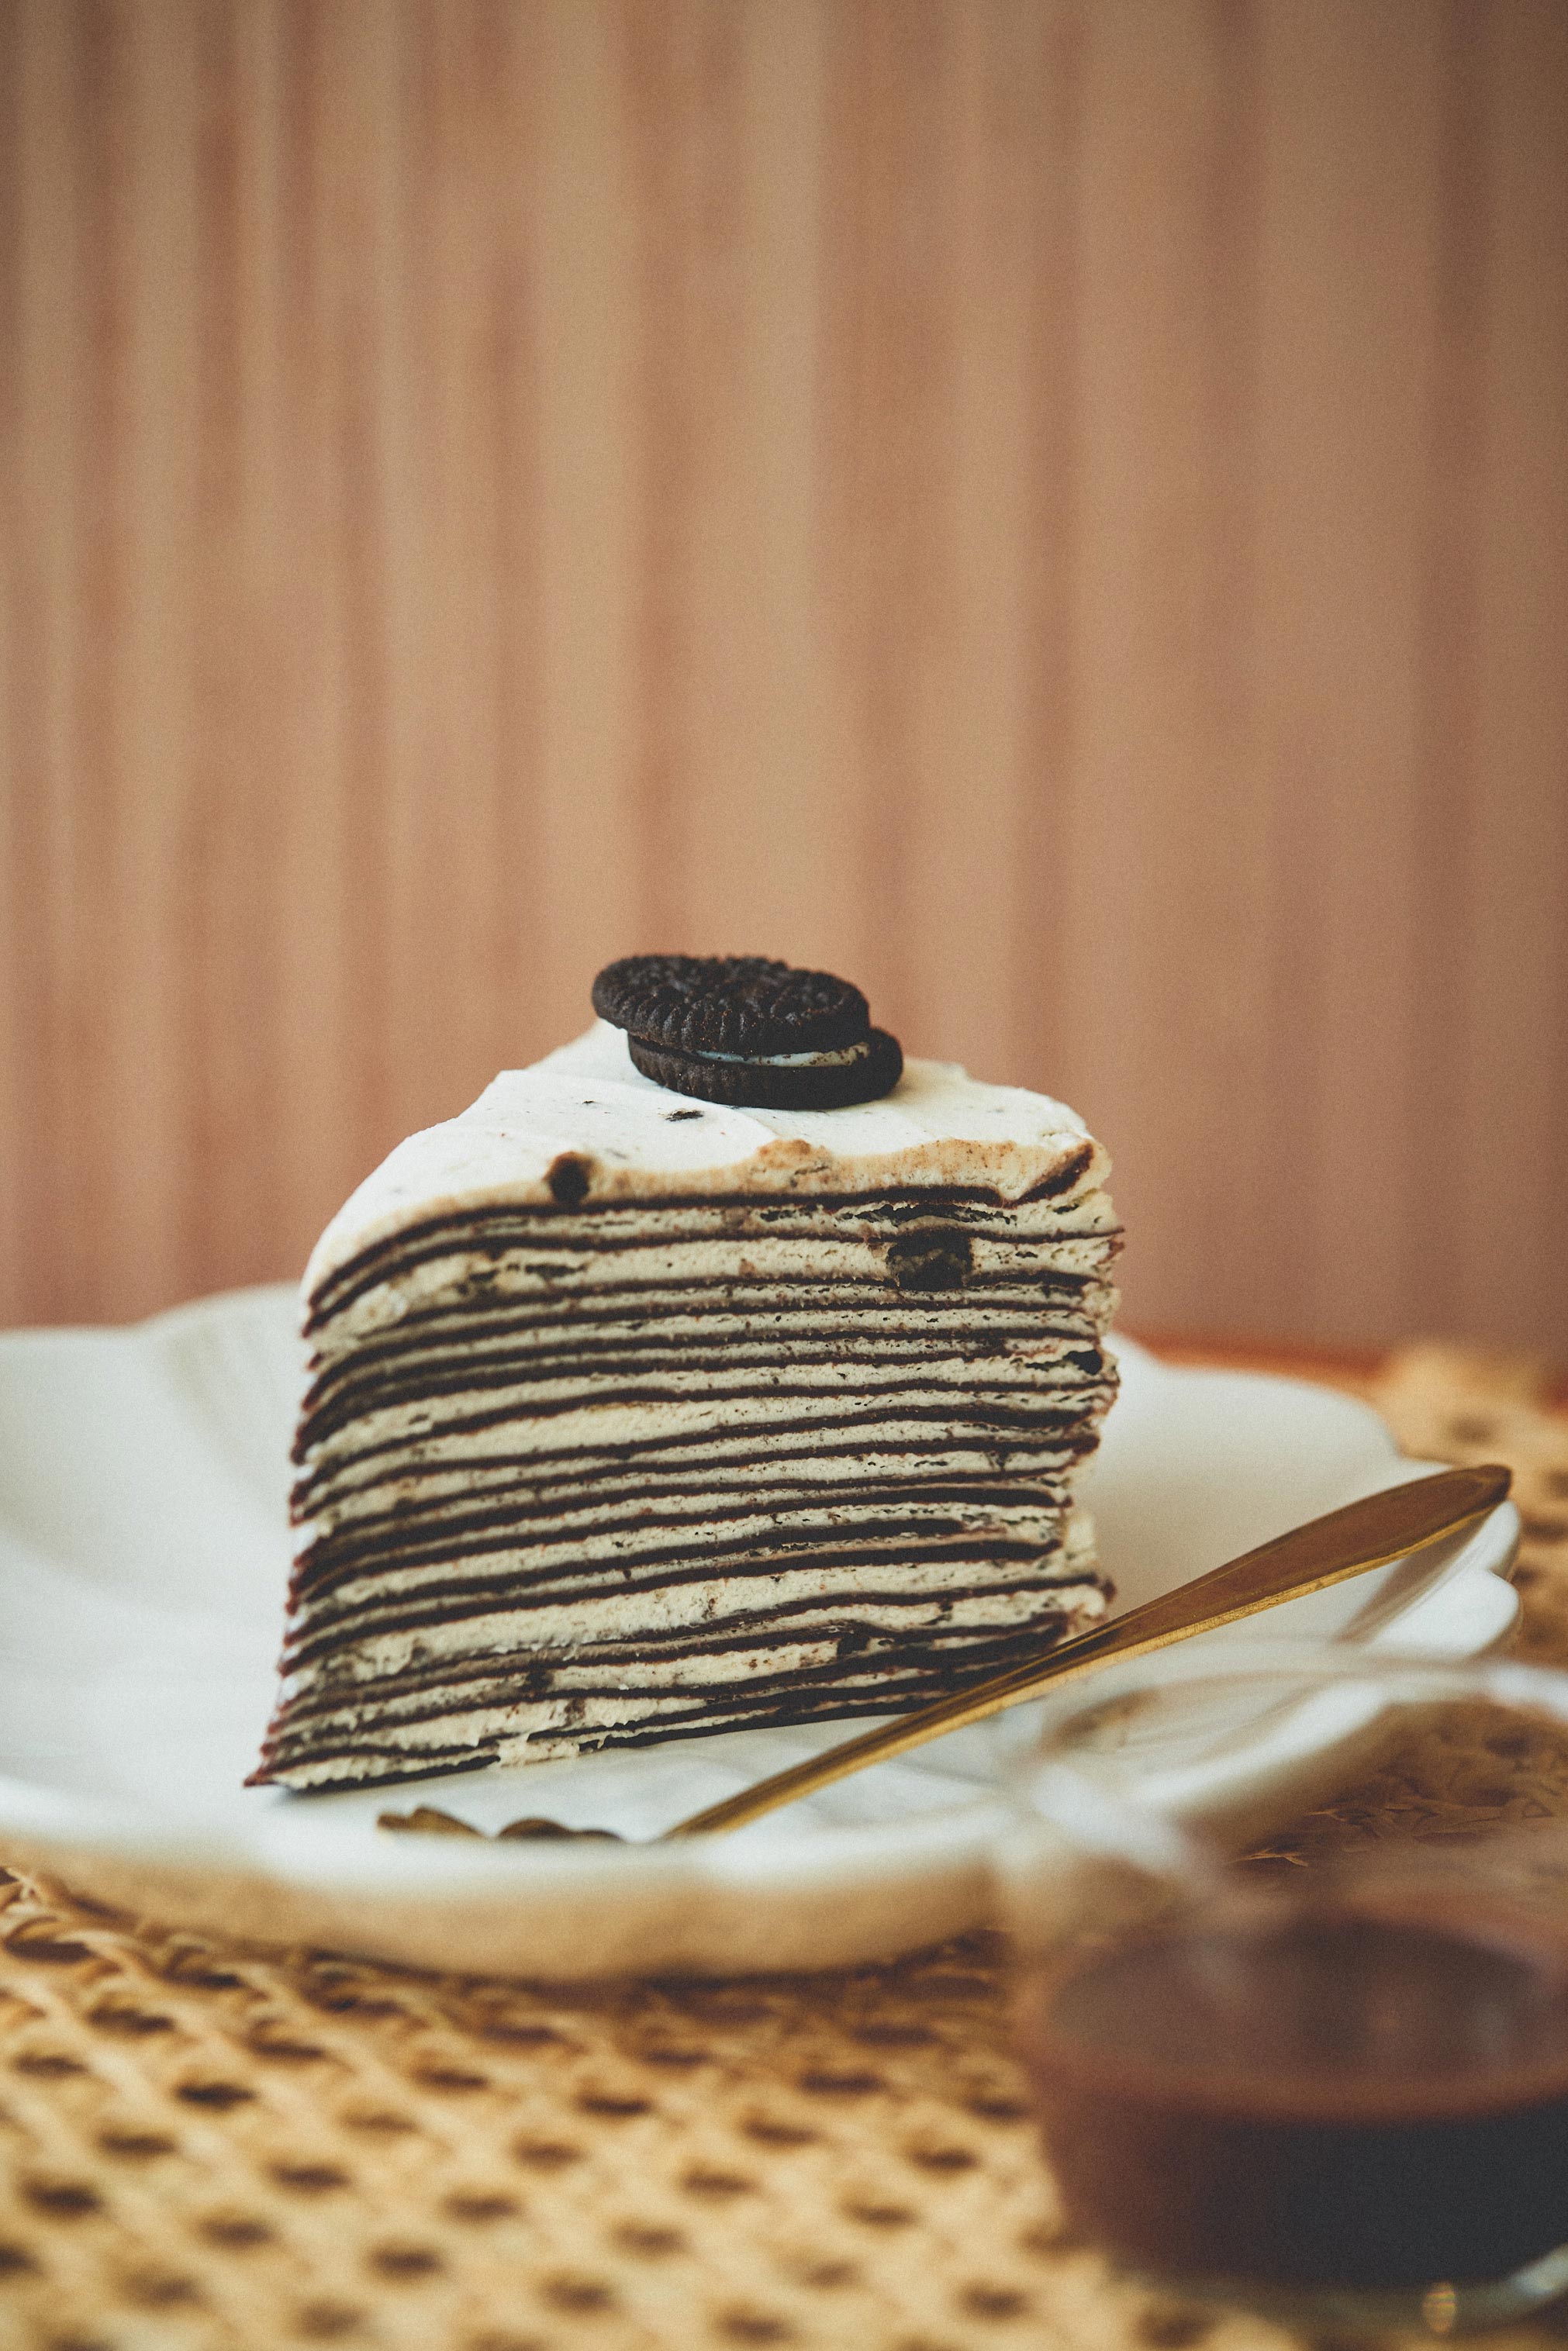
(1513, 1681)
(1284, 1669)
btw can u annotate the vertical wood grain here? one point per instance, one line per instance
(1353, 101)
(584, 897)
(1440, 1205)
(1037, 879)
(764, 857)
(1056, 508)
(18, 592)
(1160, 929)
(1510, 1098)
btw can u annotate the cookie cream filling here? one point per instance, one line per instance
(842, 1058)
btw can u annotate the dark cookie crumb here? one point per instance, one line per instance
(569, 1177)
(931, 1261)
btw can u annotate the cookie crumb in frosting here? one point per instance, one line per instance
(569, 1175)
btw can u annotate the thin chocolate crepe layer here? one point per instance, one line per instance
(679, 1441)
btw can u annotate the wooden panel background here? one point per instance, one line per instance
(1056, 508)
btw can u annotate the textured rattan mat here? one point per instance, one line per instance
(207, 2148)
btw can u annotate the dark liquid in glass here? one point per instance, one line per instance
(1312, 2097)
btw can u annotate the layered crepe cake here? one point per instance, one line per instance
(634, 1414)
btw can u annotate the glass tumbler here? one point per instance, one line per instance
(1323, 2071)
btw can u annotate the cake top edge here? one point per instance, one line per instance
(585, 1124)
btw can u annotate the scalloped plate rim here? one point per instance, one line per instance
(423, 1899)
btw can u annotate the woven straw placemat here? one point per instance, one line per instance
(206, 2147)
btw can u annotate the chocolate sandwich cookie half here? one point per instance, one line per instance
(747, 1030)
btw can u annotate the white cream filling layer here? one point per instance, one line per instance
(581, 1624)
(710, 1605)
(767, 1269)
(647, 1599)
(834, 1061)
(829, 1481)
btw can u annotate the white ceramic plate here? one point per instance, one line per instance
(143, 1560)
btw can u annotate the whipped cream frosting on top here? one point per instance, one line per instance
(587, 1103)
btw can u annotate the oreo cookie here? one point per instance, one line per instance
(746, 1006)
(748, 1032)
